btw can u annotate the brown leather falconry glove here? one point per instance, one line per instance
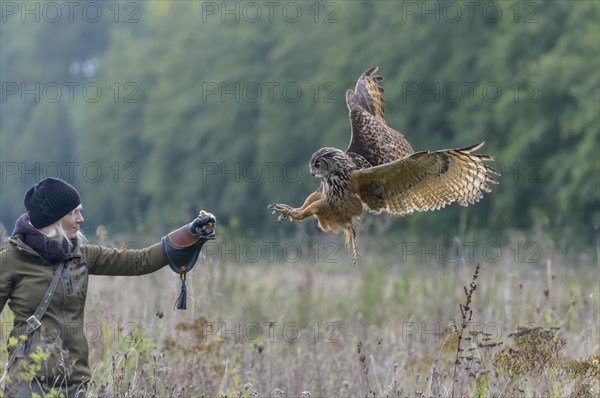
(202, 227)
(182, 247)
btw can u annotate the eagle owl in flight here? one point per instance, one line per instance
(380, 172)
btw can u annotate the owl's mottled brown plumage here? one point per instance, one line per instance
(380, 172)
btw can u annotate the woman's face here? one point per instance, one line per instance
(71, 221)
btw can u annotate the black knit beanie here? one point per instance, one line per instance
(50, 200)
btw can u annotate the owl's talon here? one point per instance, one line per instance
(283, 211)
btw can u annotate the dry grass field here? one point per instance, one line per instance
(425, 322)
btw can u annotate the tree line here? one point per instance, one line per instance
(155, 110)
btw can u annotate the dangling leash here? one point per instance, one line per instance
(182, 299)
(33, 322)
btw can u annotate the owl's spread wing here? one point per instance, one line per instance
(425, 181)
(372, 138)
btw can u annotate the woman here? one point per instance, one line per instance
(45, 237)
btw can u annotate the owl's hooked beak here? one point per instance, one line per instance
(314, 172)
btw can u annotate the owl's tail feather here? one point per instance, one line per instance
(350, 234)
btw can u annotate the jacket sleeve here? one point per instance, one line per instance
(109, 261)
(7, 279)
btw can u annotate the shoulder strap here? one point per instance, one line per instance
(33, 322)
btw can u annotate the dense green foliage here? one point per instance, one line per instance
(215, 106)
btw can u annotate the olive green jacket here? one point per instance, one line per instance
(24, 279)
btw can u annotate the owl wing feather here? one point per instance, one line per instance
(367, 93)
(372, 138)
(425, 181)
